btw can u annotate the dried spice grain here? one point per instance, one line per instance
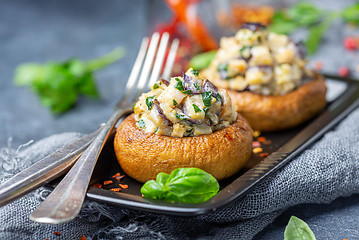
(97, 185)
(107, 182)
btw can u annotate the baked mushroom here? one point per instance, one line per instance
(267, 78)
(187, 122)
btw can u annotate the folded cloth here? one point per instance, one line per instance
(323, 172)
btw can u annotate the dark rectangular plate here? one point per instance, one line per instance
(285, 146)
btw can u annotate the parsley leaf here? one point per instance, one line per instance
(316, 20)
(196, 108)
(174, 102)
(351, 14)
(149, 102)
(195, 72)
(58, 84)
(222, 67)
(196, 86)
(219, 98)
(182, 116)
(141, 123)
(155, 86)
(207, 99)
(179, 87)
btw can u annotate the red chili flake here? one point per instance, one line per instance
(318, 65)
(116, 175)
(124, 186)
(343, 71)
(350, 43)
(107, 182)
(120, 177)
(115, 189)
(82, 238)
(261, 139)
(257, 150)
(264, 154)
(97, 185)
(256, 144)
(57, 233)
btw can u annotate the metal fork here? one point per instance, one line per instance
(65, 201)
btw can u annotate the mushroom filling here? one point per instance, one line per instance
(185, 106)
(259, 61)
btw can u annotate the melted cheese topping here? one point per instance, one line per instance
(185, 106)
(259, 61)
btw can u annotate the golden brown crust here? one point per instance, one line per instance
(272, 113)
(143, 155)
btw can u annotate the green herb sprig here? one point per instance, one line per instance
(58, 84)
(316, 20)
(187, 185)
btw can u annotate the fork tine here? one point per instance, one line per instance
(151, 53)
(134, 74)
(159, 59)
(170, 59)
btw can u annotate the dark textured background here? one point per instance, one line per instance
(43, 30)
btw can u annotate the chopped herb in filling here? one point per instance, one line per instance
(196, 108)
(182, 116)
(149, 102)
(141, 124)
(207, 99)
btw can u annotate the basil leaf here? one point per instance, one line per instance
(202, 60)
(298, 229)
(207, 99)
(174, 102)
(188, 185)
(196, 108)
(182, 117)
(141, 123)
(149, 102)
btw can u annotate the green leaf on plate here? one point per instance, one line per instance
(297, 229)
(188, 185)
(202, 60)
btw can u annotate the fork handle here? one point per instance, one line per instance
(65, 201)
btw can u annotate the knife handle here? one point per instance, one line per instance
(44, 170)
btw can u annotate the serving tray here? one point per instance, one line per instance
(281, 146)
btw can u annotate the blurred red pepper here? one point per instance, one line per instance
(185, 11)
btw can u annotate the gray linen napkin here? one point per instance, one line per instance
(325, 171)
